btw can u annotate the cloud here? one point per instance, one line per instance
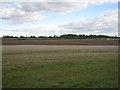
(107, 23)
(27, 12)
(16, 16)
(55, 0)
(32, 30)
(5, 28)
(61, 7)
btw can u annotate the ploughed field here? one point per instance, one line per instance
(60, 66)
(60, 42)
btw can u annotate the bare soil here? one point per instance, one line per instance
(60, 42)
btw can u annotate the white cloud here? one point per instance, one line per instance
(56, 0)
(4, 28)
(25, 12)
(106, 23)
(16, 16)
(61, 7)
(32, 30)
(20, 13)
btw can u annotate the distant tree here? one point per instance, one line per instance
(55, 37)
(64, 36)
(82, 36)
(16, 37)
(22, 37)
(42, 37)
(7, 36)
(32, 36)
(69, 36)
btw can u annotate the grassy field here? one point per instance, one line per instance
(46, 66)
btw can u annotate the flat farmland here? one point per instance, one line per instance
(60, 42)
(60, 66)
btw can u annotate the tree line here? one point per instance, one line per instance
(64, 36)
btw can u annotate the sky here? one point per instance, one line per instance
(57, 18)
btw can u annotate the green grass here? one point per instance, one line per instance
(60, 69)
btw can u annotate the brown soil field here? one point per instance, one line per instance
(60, 42)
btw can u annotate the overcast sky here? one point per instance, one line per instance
(56, 18)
